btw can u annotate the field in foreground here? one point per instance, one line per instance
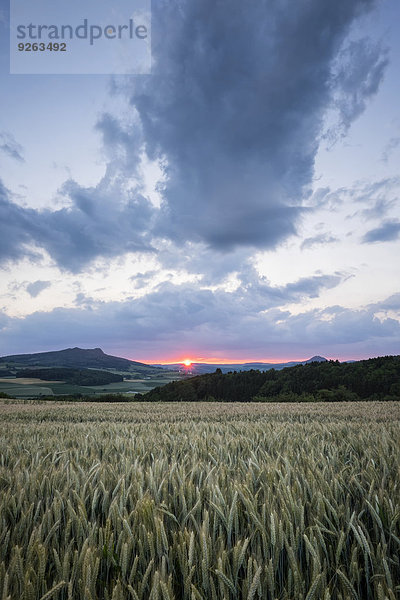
(190, 501)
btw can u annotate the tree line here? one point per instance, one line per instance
(330, 381)
(72, 376)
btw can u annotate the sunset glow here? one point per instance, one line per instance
(228, 360)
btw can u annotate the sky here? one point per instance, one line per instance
(239, 203)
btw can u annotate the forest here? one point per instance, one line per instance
(331, 381)
(72, 376)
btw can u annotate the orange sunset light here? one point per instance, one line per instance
(187, 362)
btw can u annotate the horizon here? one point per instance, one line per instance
(211, 360)
(242, 200)
(231, 361)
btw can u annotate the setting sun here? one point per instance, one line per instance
(187, 362)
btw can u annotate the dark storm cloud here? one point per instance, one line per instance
(101, 221)
(388, 231)
(15, 229)
(36, 287)
(234, 111)
(235, 106)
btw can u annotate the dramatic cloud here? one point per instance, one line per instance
(36, 287)
(180, 319)
(233, 112)
(209, 181)
(235, 107)
(388, 231)
(103, 221)
(15, 229)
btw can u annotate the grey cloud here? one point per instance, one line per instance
(36, 287)
(260, 294)
(84, 301)
(359, 71)
(175, 319)
(202, 260)
(378, 197)
(391, 303)
(327, 199)
(234, 111)
(15, 229)
(103, 221)
(388, 231)
(319, 197)
(310, 287)
(392, 144)
(318, 240)
(235, 107)
(10, 146)
(379, 208)
(141, 280)
(4, 321)
(122, 142)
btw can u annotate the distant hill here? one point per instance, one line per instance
(316, 359)
(199, 368)
(93, 358)
(316, 380)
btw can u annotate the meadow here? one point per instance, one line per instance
(31, 388)
(199, 501)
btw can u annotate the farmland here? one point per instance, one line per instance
(34, 387)
(199, 501)
(77, 372)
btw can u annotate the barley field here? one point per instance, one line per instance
(199, 501)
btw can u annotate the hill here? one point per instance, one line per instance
(93, 358)
(373, 379)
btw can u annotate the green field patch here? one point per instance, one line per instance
(31, 387)
(25, 391)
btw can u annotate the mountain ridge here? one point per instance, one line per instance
(75, 357)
